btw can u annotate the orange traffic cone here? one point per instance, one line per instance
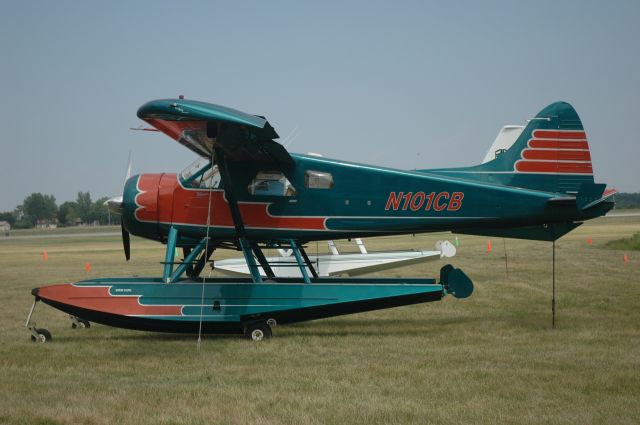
(625, 258)
(589, 241)
(489, 246)
(45, 256)
(87, 267)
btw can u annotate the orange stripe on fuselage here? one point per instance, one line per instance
(256, 215)
(190, 206)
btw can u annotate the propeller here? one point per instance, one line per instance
(115, 205)
(126, 241)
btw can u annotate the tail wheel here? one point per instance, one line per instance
(258, 331)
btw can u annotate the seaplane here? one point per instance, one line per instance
(246, 192)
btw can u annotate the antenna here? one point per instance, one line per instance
(293, 135)
(141, 128)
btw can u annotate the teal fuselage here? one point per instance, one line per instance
(362, 201)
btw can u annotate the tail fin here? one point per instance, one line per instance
(551, 154)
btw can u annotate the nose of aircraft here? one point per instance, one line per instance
(138, 206)
(116, 205)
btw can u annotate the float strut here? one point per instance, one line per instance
(251, 261)
(170, 255)
(303, 267)
(263, 262)
(314, 273)
(188, 260)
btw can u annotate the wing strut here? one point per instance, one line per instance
(220, 160)
(245, 244)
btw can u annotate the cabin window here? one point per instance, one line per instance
(194, 168)
(200, 174)
(271, 183)
(318, 180)
(211, 179)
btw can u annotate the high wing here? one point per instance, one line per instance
(204, 127)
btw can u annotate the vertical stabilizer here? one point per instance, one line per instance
(550, 154)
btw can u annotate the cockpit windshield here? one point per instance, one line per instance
(200, 174)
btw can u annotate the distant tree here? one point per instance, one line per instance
(18, 213)
(100, 212)
(22, 222)
(627, 200)
(84, 206)
(8, 216)
(37, 207)
(67, 213)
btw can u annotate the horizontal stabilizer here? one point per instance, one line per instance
(541, 232)
(591, 195)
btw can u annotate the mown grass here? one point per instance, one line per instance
(632, 243)
(492, 358)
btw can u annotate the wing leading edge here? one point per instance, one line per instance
(203, 127)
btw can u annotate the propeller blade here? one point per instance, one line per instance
(126, 177)
(126, 242)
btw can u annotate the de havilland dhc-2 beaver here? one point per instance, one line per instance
(246, 192)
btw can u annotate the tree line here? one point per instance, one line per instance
(627, 200)
(38, 207)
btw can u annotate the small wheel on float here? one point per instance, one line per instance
(43, 336)
(258, 331)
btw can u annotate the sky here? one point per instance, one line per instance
(398, 84)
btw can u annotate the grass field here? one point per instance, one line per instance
(492, 358)
(630, 244)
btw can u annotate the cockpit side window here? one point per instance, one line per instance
(211, 179)
(318, 180)
(200, 174)
(271, 183)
